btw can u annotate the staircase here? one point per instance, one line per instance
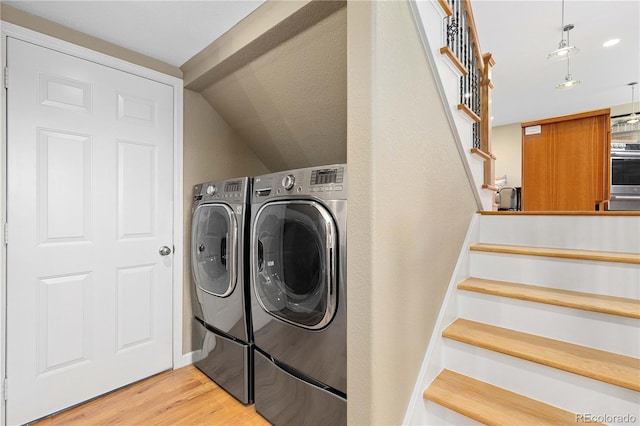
(541, 325)
(449, 36)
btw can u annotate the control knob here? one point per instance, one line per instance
(211, 190)
(288, 181)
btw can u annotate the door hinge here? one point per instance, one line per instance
(6, 233)
(6, 77)
(5, 387)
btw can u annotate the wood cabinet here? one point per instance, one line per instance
(565, 162)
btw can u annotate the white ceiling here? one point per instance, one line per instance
(519, 33)
(171, 31)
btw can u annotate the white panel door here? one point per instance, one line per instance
(90, 190)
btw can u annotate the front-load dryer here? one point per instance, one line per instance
(220, 274)
(298, 295)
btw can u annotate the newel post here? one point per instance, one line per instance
(485, 120)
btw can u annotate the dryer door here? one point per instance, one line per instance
(214, 249)
(294, 262)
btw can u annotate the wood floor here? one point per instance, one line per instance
(178, 397)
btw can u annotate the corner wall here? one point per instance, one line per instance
(409, 209)
(211, 151)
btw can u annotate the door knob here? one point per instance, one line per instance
(164, 251)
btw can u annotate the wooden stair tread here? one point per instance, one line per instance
(492, 405)
(552, 296)
(616, 369)
(604, 256)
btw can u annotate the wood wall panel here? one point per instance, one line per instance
(565, 166)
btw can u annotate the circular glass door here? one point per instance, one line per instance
(214, 249)
(294, 262)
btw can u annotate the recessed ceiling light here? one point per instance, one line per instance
(611, 42)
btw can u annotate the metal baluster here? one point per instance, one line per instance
(470, 44)
(463, 54)
(451, 28)
(467, 61)
(460, 23)
(475, 95)
(475, 135)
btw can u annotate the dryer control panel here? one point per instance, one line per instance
(325, 182)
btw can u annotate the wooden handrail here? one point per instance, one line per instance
(445, 7)
(466, 6)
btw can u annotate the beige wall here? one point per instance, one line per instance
(506, 145)
(623, 109)
(409, 208)
(211, 151)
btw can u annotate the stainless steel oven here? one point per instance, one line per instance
(625, 176)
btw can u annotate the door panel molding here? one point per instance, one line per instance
(79, 101)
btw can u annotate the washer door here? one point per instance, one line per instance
(214, 249)
(294, 262)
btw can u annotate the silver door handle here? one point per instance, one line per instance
(164, 251)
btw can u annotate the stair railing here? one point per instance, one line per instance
(463, 50)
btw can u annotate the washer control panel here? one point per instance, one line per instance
(231, 191)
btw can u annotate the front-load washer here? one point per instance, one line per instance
(219, 233)
(298, 295)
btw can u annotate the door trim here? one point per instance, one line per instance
(21, 33)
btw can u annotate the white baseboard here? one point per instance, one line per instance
(188, 359)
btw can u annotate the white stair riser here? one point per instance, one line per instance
(604, 233)
(608, 278)
(555, 387)
(600, 331)
(432, 414)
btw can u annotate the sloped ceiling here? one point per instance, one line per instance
(290, 103)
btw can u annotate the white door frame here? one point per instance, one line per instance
(15, 31)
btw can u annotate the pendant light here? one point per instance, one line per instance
(568, 82)
(633, 118)
(564, 50)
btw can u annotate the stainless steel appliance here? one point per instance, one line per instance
(298, 295)
(220, 272)
(625, 167)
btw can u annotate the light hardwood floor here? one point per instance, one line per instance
(178, 397)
